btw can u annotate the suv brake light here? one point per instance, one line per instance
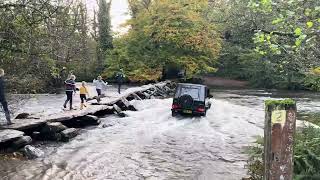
(201, 109)
(175, 106)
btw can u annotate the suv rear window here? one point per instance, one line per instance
(194, 92)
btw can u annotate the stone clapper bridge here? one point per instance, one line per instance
(65, 125)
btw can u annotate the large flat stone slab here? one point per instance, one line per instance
(9, 135)
(24, 124)
(68, 115)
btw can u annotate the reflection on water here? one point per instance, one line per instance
(150, 144)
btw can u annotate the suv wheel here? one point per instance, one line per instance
(174, 114)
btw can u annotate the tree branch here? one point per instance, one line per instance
(279, 33)
(7, 6)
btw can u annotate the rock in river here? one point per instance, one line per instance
(22, 116)
(67, 134)
(51, 128)
(22, 141)
(118, 111)
(92, 120)
(32, 152)
(80, 122)
(9, 135)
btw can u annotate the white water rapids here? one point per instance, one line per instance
(150, 144)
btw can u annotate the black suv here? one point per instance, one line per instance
(191, 99)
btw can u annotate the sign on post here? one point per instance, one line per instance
(280, 123)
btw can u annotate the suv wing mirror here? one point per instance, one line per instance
(208, 93)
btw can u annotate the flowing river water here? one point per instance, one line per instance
(150, 144)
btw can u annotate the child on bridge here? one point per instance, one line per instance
(100, 85)
(83, 92)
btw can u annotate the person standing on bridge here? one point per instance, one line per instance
(70, 85)
(120, 77)
(100, 85)
(3, 98)
(83, 94)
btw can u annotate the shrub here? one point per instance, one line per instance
(27, 84)
(255, 162)
(312, 82)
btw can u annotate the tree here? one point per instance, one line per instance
(105, 34)
(282, 34)
(169, 33)
(292, 34)
(39, 38)
(136, 6)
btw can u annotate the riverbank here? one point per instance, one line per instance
(224, 82)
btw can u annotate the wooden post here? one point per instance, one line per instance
(280, 123)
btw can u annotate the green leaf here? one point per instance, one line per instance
(268, 38)
(302, 37)
(309, 24)
(307, 12)
(277, 21)
(287, 46)
(274, 46)
(298, 42)
(298, 31)
(261, 38)
(290, 13)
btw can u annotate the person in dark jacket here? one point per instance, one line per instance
(120, 77)
(70, 85)
(3, 98)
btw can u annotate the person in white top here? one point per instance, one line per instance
(100, 85)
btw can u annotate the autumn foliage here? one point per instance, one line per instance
(165, 33)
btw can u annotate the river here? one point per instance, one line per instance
(150, 144)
